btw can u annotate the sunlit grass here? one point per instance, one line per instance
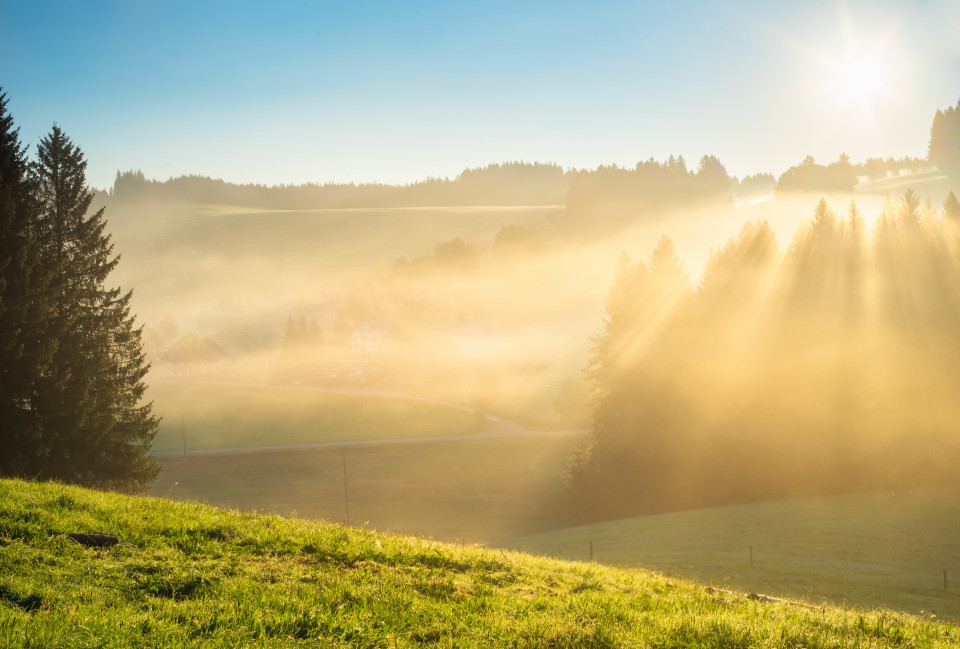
(191, 576)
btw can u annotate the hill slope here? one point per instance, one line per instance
(869, 550)
(190, 576)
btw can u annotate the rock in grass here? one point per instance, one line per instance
(94, 540)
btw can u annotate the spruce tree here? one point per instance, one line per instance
(944, 145)
(951, 208)
(25, 348)
(93, 429)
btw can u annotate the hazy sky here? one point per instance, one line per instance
(292, 92)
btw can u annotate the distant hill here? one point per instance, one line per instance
(510, 183)
(188, 575)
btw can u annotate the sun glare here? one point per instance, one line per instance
(859, 83)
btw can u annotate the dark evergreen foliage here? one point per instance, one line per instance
(73, 366)
(510, 183)
(25, 346)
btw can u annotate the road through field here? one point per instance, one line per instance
(503, 427)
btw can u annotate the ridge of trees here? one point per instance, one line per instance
(71, 361)
(610, 198)
(824, 368)
(758, 182)
(614, 194)
(842, 176)
(510, 183)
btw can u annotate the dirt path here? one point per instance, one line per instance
(503, 427)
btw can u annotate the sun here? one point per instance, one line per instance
(858, 82)
(861, 80)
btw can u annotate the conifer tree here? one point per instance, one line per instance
(951, 207)
(24, 349)
(626, 294)
(944, 145)
(93, 429)
(951, 223)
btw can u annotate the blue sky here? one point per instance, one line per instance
(292, 92)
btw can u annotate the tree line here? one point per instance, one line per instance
(71, 362)
(843, 175)
(825, 368)
(611, 198)
(510, 183)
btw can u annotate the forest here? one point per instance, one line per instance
(826, 367)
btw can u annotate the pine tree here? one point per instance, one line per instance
(944, 145)
(93, 428)
(951, 223)
(626, 293)
(951, 207)
(671, 284)
(24, 347)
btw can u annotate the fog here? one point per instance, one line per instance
(500, 309)
(376, 290)
(819, 367)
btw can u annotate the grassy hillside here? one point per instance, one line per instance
(865, 549)
(192, 576)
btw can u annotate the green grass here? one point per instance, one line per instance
(473, 490)
(867, 550)
(192, 576)
(220, 416)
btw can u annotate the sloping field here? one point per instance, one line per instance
(897, 550)
(192, 576)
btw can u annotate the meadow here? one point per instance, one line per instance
(887, 550)
(192, 576)
(479, 490)
(212, 416)
(253, 269)
(482, 491)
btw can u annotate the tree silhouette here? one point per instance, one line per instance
(86, 421)
(944, 146)
(611, 198)
(808, 176)
(456, 255)
(25, 348)
(513, 242)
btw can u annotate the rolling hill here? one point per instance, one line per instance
(189, 576)
(895, 549)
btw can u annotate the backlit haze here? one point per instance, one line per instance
(397, 92)
(480, 271)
